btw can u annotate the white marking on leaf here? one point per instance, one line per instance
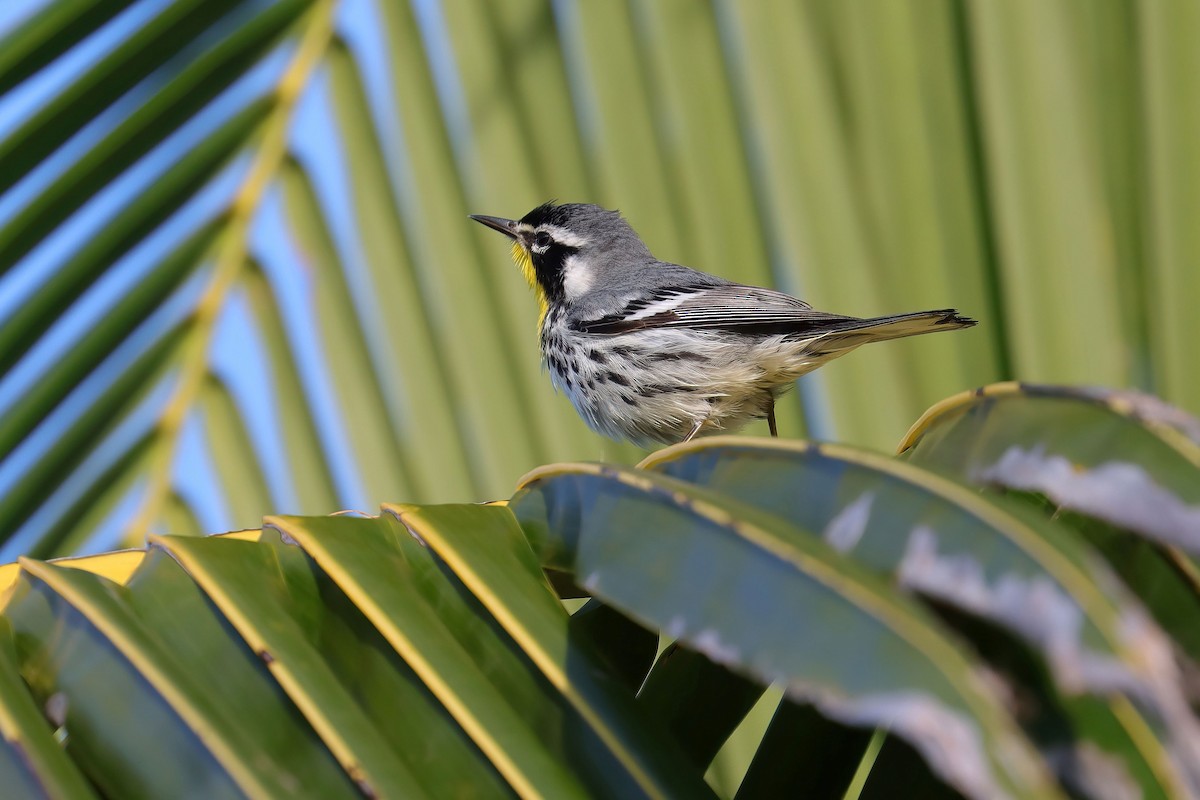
(846, 529)
(708, 641)
(1118, 492)
(676, 627)
(1091, 772)
(1150, 409)
(591, 582)
(1040, 611)
(949, 741)
(1035, 607)
(55, 709)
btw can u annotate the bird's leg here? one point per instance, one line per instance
(771, 418)
(695, 429)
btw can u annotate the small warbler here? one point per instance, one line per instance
(651, 351)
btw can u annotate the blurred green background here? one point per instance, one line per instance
(237, 277)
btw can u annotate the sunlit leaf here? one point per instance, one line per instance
(712, 570)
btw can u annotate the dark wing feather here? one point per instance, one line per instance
(732, 307)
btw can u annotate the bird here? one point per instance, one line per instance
(650, 351)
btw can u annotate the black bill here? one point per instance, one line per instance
(506, 226)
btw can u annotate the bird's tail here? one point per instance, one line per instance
(894, 326)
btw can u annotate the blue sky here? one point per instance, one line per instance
(238, 356)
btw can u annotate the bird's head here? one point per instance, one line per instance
(566, 250)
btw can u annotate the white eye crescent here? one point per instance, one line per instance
(542, 241)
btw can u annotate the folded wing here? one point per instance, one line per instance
(746, 309)
(751, 310)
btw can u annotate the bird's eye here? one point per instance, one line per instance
(542, 240)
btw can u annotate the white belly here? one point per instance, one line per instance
(654, 386)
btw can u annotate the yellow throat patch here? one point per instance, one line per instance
(525, 261)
